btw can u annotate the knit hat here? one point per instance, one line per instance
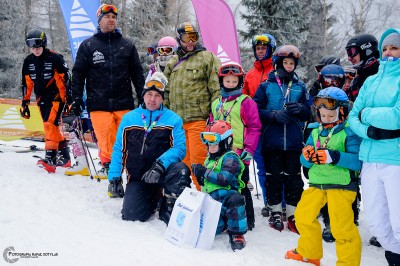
(105, 9)
(157, 82)
(391, 39)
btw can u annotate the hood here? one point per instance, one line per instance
(386, 33)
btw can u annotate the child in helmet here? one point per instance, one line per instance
(241, 112)
(163, 51)
(283, 108)
(331, 153)
(220, 177)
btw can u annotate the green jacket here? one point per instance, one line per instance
(192, 84)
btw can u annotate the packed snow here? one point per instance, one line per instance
(73, 219)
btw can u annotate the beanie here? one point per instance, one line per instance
(157, 82)
(391, 39)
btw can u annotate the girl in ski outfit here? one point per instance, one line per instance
(241, 112)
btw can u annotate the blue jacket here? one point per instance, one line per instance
(379, 100)
(269, 97)
(166, 142)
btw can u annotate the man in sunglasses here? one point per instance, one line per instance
(193, 86)
(107, 63)
(362, 52)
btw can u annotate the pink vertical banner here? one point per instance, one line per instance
(218, 29)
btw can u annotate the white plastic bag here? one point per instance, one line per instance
(209, 218)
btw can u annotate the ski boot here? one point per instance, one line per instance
(392, 258)
(49, 161)
(275, 221)
(166, 207)
(327, 234)
(293, 255)
(63, 157)
(265, 211)
(291, 224)
(237, 241)
(103, 173)
(78, 169)
(374, 242)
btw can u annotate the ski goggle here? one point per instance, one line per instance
(34, 42)
(151, 50)
(352, 52)
(329, 81)
(166, 50)
(190, 36)
(107, 9)
(154, 83)
(214, 138)
(261, 39)
(230, 70)
(328, 103)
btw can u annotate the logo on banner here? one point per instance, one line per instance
(222, 55)
(80, 25)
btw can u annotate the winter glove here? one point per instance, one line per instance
(378, 133)
(308, 152)
(78, 106)
(115, 188)
(316, 87)
(154, 173)
(325, 156)
(199, 171)
(294, 108)
(280, 116)
(246, 156)
(24, 110)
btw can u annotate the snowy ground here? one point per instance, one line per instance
(73, 217)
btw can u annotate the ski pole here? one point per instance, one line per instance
(256, 179)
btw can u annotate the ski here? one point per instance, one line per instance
(32, 148)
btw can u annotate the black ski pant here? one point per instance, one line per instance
(249, 200)
(141, 199)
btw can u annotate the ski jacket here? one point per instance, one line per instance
(270, 97)
(165, 142)
(342, 175)
(244, 119)
(257, 75)
(379, 101)
(108, 63)
(192, 83)
(46, 75)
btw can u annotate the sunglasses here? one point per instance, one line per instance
(230, 70)
(154, 83)
(214, 138)
(34, 43)
(261, 39)
(109, 8)
(352, 52)
(166, 50)
(328, 103)
(191, 36)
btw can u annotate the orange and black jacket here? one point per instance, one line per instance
(46, 75)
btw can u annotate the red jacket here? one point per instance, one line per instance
(256, 75)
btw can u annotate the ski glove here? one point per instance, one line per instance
(154, 173)
(24, 110)
(325, 156)
(280, 116)
(294, 108)
(199, 171)
(246, 156)
(308, 152)
(78, 106)
(115, 188)
(378, 133)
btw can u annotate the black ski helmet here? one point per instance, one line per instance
(366, 44)
(36, 39)
(327, 60)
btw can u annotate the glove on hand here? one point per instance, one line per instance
(325, 156)
(246, 156)
(115, 188)
(378, 133)
(199, 171)
(24, 110)
(316, 87)
(78, 106)
(294, 108)
(308, 152)
(280, 116)
(154, 173)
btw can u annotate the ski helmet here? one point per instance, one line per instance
(231, 68)
(186, 32)
(364, 44)
(333, 98)
(266, 39)
(36, 39)
(327, 60)
(167, 41)
(157, 82)
(224, 131)
(285, 51)
(331, 76)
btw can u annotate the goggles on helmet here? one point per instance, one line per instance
(189, 36)
(108, 8)
(34, 42)
(165, 50)
(328, 103)
(214, 138)
(230, 70)
(261, 39)
(154, 83)
(352, 52)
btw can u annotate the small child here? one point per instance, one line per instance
(241, 112)
(221, 178)
(332, 156)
